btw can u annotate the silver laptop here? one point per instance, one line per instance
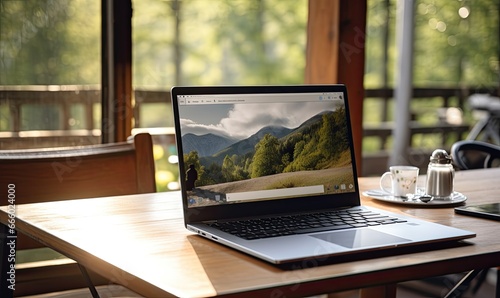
(270, 171)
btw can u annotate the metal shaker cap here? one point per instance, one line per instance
(440, 156)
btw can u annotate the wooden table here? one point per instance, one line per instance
(140, 241)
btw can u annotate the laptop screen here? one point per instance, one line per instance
(251, 147)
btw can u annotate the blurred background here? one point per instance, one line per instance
(50, 68)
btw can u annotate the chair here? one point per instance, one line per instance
(470, 154)
(70, 173)
(487, 128)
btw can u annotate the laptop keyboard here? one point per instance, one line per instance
(304, 223)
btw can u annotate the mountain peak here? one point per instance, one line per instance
(205, 145)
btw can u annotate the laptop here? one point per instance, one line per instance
(271, 171)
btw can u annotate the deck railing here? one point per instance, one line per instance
(75, 113)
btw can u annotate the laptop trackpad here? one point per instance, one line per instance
(360, 238)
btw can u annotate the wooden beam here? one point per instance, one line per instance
(123, 69)
(117, 109)
(336, 53)
(322, 42)
(351, 66)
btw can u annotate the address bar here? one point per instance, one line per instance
(256, 98)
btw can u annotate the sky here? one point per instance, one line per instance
(243, 120)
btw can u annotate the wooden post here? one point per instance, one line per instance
(336, 54)
(123, 69)
(117, 106)
(322, 42)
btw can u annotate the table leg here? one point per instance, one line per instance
(90, 285)
(463, 284)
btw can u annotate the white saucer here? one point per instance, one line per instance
(456, 198)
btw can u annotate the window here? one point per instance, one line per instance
(49, 73)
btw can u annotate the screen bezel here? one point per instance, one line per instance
(252, 209)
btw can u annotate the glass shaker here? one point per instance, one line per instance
(440, 174)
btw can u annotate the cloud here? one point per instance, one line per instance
(189, 126)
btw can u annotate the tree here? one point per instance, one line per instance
(212, 175)
(244, 42)
(49, 42)
(266, 157)
(455, 38)
(299, 147)
(228, 168)
(327, 144)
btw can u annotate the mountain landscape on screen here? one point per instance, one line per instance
(320, 143)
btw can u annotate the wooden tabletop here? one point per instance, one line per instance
(140, 242)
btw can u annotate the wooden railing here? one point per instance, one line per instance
(70, 129)
(67, 130)
(445, 129)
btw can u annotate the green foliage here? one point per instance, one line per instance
(462, 45)
(58, 42)
(320, 145)
(317, 147)
(219, 42)
(449, 49)
(227, 168)
(50, 42)
(266, 157)
(238, 42)
(232, 170)
(299, 148)
(212, 175)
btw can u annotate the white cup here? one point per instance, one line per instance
(403, 180)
